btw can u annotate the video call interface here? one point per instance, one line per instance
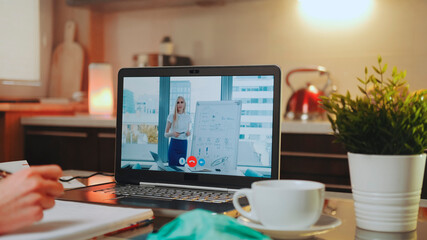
(219, 125)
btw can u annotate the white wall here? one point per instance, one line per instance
(26, 48)
(275, 32)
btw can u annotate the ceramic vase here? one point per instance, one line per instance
(386, 190)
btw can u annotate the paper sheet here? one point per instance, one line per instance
(73, 220)
(71, 184)
(14, 166)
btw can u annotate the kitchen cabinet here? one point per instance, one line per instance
(11, 130)
(314, 156)
(73, 143)
(71, 147)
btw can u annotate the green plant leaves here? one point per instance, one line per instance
(387, 119)
(376, 70)
(384, 69)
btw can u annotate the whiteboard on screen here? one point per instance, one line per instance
(216, 135)
(20, 40)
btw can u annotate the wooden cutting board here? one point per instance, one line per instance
(67, 65)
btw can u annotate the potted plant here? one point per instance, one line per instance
(385, 133)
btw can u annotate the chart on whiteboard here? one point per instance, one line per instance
(216, 135)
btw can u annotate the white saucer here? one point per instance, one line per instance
(324, 224)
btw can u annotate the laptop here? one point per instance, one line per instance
(211, 129)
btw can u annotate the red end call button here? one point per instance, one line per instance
(191, 161)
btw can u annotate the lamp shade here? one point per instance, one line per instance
(100, 89)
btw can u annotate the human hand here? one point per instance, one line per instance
(188, 133)
(176, 134)
(25, 194)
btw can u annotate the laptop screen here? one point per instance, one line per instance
(203, 124)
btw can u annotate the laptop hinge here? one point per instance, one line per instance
(188, 186)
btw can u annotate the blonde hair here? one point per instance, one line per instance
(176, 109)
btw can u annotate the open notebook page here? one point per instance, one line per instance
(74, 220)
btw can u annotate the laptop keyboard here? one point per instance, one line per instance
(169, 193)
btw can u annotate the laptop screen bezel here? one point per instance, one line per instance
(198, 179)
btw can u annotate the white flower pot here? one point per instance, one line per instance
(386, 190)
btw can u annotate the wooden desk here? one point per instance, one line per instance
(336, 204)
(11, 130)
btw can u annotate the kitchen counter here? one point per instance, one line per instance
(302, 127)
(71, 121)
(36, 107)
(306, 127)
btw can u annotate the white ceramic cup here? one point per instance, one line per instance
(283, 204)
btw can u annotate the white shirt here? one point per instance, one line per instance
(182, 124)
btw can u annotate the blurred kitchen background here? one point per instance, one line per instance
(341, 36)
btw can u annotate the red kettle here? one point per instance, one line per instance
(304, 103)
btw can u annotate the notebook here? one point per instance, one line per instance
(73, 221)
(212, 128)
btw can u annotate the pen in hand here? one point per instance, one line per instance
(25, 195)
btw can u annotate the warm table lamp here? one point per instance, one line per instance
(100, 89)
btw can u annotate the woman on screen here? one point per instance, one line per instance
(178, 129)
